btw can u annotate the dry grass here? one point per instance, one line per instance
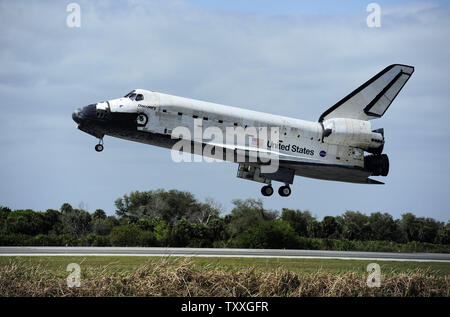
(182, 278)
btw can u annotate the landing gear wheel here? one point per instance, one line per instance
(267, 190)
(284, 191)
(99, 147)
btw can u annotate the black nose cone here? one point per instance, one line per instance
(76, 116)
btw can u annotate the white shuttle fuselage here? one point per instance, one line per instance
(333, 148)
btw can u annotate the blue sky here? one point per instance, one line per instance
(270, 7)
(296, 60)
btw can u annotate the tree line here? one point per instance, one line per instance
(176, 218)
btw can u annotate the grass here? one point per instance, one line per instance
(201, 276)
(58, 264)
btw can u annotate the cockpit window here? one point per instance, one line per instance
(129, 94)
(133, 96)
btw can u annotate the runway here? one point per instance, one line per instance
(222, 252)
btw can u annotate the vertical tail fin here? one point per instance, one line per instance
(373, 98)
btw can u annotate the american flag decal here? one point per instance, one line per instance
(257, 141)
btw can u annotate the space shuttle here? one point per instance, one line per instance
(340, 146)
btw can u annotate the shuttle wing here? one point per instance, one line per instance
(306, 167)
(329, 171)
(373, 98)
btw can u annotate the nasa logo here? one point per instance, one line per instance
(322, 153)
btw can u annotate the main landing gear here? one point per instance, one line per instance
(251, 172)
(283, 191)
(267, 190)
(99, 146)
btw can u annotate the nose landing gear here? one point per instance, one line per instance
(99, 146)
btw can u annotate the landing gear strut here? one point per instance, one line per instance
(267, 190)
(284, 191)
(99, 146)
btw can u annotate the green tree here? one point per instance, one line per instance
(298, 220)
(52, 222)
(410, 227)
(355, 226)
(330, 228)
(383, 227)
(4, 212)
(247, 213)
(218, 230)
(171, 206)
(128, 235)
(131, 235)
(314, 229)
(25, 221)
(182, 233)
(429, 229)
(66, 208)
(206, 212)
(97, 241)
(77, 222)
(99, 214)
(161, 231)
(135, 204)
(102, 226)
(443, 236)
(276, 234)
